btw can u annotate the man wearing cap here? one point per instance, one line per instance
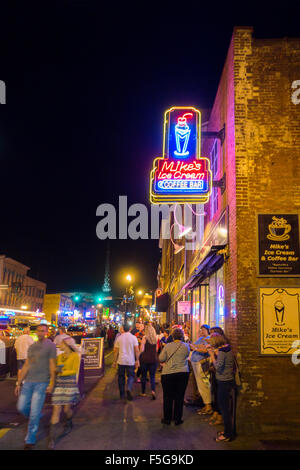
(38, 373)
(200, 353)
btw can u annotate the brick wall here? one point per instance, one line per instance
(261, 159)
(267, 164)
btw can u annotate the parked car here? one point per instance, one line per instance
(78, 332)
(6, 334)
(7, 342)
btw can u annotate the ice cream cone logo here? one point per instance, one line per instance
(279, 312)
(182, 135)
(279, 229)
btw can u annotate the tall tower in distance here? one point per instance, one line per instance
(106, 286)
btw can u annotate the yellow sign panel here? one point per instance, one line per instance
(279, 320)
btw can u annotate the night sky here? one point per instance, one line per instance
(87, 86)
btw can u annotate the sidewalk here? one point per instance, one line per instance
(101, 421)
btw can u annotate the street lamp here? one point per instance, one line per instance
(129, 293)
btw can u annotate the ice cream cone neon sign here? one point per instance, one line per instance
(181, 174)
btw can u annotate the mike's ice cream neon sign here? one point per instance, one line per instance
(181, 174)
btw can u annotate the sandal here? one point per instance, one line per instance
(213, 418)
(205, 411)
(219, 420)
(222, 438)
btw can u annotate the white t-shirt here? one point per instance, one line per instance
(2, 352)
(126, 343)
(22, 344)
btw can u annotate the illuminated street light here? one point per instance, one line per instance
(129, 278)
(24, 307)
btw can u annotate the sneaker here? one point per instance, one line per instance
(129, 396)
(177, 423)
(29, 447)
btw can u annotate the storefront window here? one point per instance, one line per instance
(212, 300)
(195, 314)
(221, 298)
(203, 304)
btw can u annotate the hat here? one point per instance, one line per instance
(206, 327)
(71, 343)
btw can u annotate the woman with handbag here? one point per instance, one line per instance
(148, 359)
(174, 377)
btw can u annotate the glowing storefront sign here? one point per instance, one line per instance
(221, 301)
(181, 175)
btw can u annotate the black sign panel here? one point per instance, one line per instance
(278, 245)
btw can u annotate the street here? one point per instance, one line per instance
(102, 422)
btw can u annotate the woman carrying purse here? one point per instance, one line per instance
(174, 377)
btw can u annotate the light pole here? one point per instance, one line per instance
(129, 292)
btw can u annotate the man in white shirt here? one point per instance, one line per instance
(21, 346)
(126, 353)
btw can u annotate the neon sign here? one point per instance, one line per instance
(221, 300)
(181, 175)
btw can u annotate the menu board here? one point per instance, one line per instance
(278, 245)
(92, 350)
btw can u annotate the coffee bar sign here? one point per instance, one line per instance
(278, 245)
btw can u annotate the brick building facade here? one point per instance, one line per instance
(258, 102)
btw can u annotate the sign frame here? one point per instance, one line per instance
(259, 321)
(181, 198)
(183, 303)
(100, 366)
(258, 244)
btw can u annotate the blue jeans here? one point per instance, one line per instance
(121, 378)
(30, 404)
(152, 369)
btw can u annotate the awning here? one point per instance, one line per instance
(213, 261)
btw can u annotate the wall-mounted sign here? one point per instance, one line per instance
(278, 245)
(279, 319)
(183, 307)
(181, 174)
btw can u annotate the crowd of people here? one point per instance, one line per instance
(209, 362)
(52, 367)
